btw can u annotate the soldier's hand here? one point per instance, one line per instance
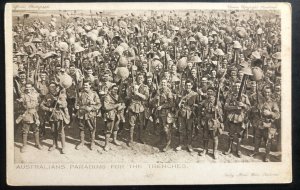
(50, 109)
(76, 107)
(159, 108)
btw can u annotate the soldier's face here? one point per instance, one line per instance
(72, 69)
(22, 77)
(58, 69)
(105, 78)
(267, 93)
(145, 66)
(194, 72)
(115, 91)
(140, 79)
(149, 80)
(241, 74)
(277, 90)
(233, 74)
(189, 86)
(214, 73)
(52, 89)
(28, 88)
(43, 77)
(86, 86)
(164, 83)
(210, 94)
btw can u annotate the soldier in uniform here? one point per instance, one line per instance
(211, 121)
(277, 122)
(55, 106)
(88, 105)
(253, 112)
(29, 117)
(113, 115)
(73, 90)
(19, 90)
(138, 94)
(42, 89)
(164, 102)
(269, 112)
(235, 116)
(187, 104)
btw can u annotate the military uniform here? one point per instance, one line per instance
(165, 100)
(72, 93)
(113, 115)
(211, 121)
(266, 129)
(89, 104)
(186, 118)
(42, 88)
(235, 116)
(29, 118)
(55, 106)
(136, 110)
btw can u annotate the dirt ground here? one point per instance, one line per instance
(139, 153)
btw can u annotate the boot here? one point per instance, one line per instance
(37, 140)
(238, 148)
(106, 146)
(24, 140)
(54, 145)
(115, 141)
(168, 137)
(215, 148)
(230, 141)
(268, 147)
(81, 144)
(92, 147)
(140, 133)
(256, 147)
(179, 147)
(63, 144)
(130, 142)
(205, 149)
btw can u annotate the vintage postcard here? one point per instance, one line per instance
(148, 93)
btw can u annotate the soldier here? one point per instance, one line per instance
(138, 94)
(55, 106)
(149, 112)
(113, 115)
(29, 117)
(277, 122)
(253, 112)
(88, 104)
(73, 90)
(164, 102)
(211, 121)
(186, 116)
(269, 112)
(236, 111)
(42, 88)
(19, 90)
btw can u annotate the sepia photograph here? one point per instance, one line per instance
(160, 89)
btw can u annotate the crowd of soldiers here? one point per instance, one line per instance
(213, 72)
